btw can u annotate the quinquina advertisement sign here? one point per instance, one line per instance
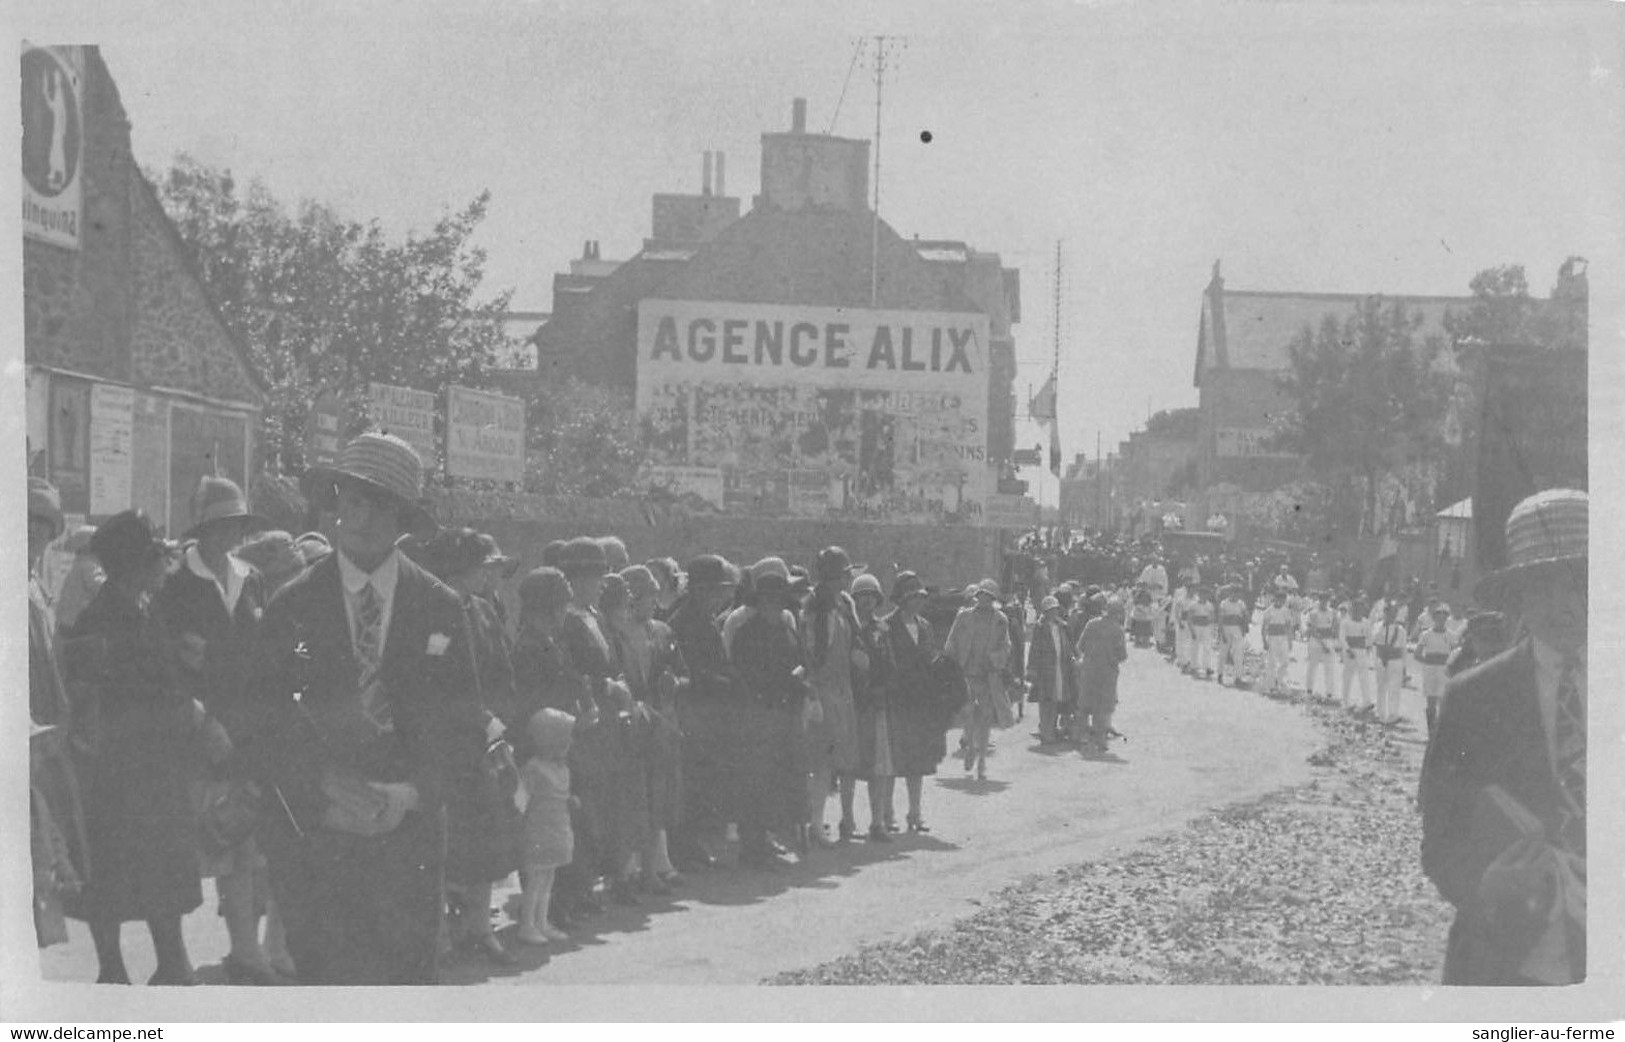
(820, 412)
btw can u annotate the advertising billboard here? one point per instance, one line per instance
(485, 435)
(818, 412)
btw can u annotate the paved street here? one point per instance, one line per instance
(1192, 745)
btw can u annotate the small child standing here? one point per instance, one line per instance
(548, 842)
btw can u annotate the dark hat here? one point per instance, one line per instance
(382, 461)
(45, 503)
(666, 570)
(544, 588)
(906, 585)
(452, 551)
(615, 592)
(615, 555)
(128, 539)
(640, 581)
(1549, 529)
(220, 499)
(711, 570)
(582, 555)
(491, 553)
(770, 575)
(800, 580)
(313, 546)
(551, 552)
(272, 552)
(834, 563)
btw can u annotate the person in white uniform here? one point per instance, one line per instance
(1278, 621)
(1321, 627)
(1389, 647)
(1199, 613)
(1432, 651)
(1356, 642)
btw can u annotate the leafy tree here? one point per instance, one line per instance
(1369, 401)
(583, 440)
(327, 303)
(1180, 424)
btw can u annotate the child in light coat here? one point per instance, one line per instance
(547, 840)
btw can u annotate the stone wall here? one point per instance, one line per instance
(944, 555)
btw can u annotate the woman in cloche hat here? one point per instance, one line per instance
(139, 769)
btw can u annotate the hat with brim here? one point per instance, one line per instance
(906, 585)
(1048, 604)
(986, 588)
(494, 556)
(710, 570)
(384, 463)
(770, 576)
(45, 503)
(1545, 534)
(219, 501)
(834, 563)
(867, 585)
(583, 555)
(128, 539)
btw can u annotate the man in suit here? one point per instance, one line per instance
(363, 677)
(1503, 783)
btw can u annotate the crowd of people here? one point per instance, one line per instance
(357, 739)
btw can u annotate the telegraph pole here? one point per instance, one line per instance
(874, 236)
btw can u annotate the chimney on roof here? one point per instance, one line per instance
(705, 181)
(722, 167)
(798, 116)
(586, 249)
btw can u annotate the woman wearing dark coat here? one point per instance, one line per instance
(143, 734)
(771, 707)
(918, 721)
(482, 824)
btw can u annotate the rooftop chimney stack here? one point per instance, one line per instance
(798, 116)
(722, 167)
(705, 184)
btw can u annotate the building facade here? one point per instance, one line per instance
(135, 388)
(881, 427)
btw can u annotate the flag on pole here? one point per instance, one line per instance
(1042, 405)
(1054, 447)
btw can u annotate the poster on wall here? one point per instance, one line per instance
(53, 143)
(69, 432)
(408, 414)
(149, 488)
(820, 412)
(202, 441)
(112, 438)
(485, 435)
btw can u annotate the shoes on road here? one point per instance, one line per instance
(916, 825)
(878, 834)
(261, 975)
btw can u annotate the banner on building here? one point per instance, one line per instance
(814, 412)
(485, 435)
(408, 414)
(53, 143)
(1247, 443)
(112, 445)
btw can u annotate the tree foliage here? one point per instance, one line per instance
(1369, 401)
(1180, 424)
(583, 441)
(324, 302)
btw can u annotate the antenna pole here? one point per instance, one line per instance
(874, 237)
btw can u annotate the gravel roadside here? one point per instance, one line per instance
(1315, 884)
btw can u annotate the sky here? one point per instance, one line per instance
(1349, 147)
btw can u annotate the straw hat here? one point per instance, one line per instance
(986, 588)
(1548, 530)
(385, 463)
(219, 499)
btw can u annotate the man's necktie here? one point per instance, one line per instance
(1570, 746)
(369, 635)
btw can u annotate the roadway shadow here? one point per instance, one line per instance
(1096, 756)
(466, 966)
(973, 787)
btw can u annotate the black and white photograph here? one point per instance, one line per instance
(712, 511)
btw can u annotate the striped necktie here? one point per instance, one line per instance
(369, 639)
(1569, 742)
